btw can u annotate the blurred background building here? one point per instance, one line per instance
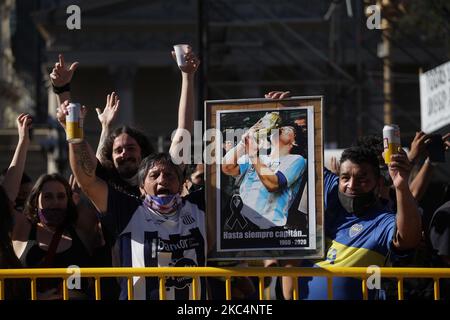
(247, 48)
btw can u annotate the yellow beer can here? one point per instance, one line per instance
(391, 141)
(74, 123)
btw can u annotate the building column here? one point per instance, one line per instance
(51, 144)
(249, 74)
(124, 85)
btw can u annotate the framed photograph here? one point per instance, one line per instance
(264, 178)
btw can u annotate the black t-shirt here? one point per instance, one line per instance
(440, 230)
(111, 176)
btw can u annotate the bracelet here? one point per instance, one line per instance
(75, 141)
(59, 90)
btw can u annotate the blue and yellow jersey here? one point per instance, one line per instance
(351, 241)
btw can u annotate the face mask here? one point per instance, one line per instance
(52, 217)
(165, 204)
(357, 204)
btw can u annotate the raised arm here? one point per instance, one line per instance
(13, 175)
(421, 181)
(230, 164)
(418, 150)
(446, 139)
(187, 100)
(106, 118)
(409, 224)
(83, 163)
(60, 77)
(230, 160)
(268, 177)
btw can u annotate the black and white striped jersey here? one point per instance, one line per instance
(146, 238)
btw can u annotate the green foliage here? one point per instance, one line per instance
(428, 20)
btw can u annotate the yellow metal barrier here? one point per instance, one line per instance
(163, 272)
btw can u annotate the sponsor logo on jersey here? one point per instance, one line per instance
(355, 229)
(188, 219)
(180, 282)
(331, 255)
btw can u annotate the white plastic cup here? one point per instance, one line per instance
(180, 51)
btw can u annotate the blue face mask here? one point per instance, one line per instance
(166, 204)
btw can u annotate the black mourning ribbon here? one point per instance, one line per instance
(236, 217)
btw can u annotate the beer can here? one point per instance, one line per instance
(74, 123)
(391, 141)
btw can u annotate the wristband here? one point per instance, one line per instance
(59, 90)
(75, 141)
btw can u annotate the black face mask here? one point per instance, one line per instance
(359, 203)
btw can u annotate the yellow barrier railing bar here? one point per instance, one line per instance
(228, 288)
(436, 289)
(295, 294)
(400, 288)
(330, 288)
(194, 288)
(162, 288)
(364, 289)
(130, 288)
(261, 288)
(356, 272)
(33, 289)
(260, 272)
(2, 289)
(98, 292)
(65, 290)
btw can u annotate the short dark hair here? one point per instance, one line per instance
(360, 155)
(141, 139)
(158, 158)
(373, 142)
(31, 205)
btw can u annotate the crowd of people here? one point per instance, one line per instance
(126, 205)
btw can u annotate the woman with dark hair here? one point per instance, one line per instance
(50, 232)
(9, 189)
(14, 289)
(67, 209)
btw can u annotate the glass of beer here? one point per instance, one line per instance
(391, 141)
(74, 123)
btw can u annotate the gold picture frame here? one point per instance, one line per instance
(250, 222)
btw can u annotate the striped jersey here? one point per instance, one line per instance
(270, 209)
(351, 241)
(146, 238)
